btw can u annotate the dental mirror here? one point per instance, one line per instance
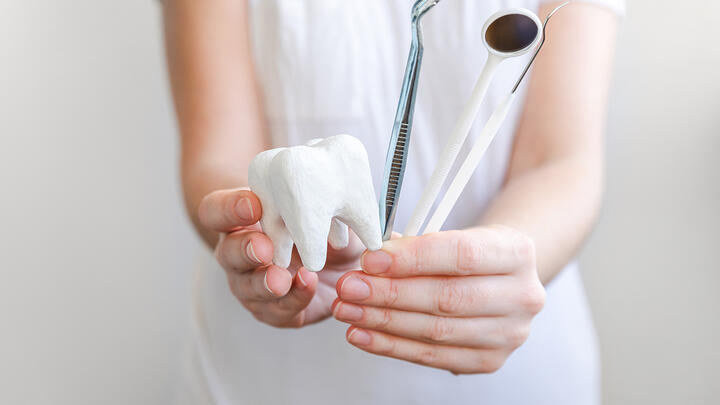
(486, 135)
(511, 33)
(506, 34)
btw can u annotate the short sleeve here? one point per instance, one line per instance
(617, 6)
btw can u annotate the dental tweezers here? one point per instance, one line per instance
(396, 159)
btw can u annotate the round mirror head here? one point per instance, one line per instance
(512, 33)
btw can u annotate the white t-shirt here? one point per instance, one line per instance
(335, 66)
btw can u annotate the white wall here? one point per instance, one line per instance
(95, 250)
(94, 246)
(652, 268)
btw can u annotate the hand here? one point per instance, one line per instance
(460, 300)
(280, 297)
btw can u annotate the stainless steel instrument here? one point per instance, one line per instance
(400, 139)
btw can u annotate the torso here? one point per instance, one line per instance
(328, 67)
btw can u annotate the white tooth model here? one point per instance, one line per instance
(311, 193)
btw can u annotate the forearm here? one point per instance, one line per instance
(554, 184)
(216, 97)
(556, 205)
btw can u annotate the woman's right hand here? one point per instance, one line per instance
(280, 297)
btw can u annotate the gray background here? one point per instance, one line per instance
(95, 251)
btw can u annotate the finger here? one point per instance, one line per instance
(241, 251)
(289, 310)
(480, 251)
(459, 360)
(483, 333)
(444, 296)
(261, 284)
(225, 210)
(303, 289)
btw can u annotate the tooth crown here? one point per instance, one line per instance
(311, 193)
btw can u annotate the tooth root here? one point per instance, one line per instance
(338, 237)
(274, 227)
(368, 232)
(363, 217)
(310, 233)
(360, 212)
(271, 221)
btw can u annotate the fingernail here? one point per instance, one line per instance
(265, 283)
(348, 312)
(335, 305)
(251, 253)
(353, 288)
(303, 283)
(375, 262)
(244, 209)
(359, 337)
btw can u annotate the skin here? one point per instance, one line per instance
(461, 300)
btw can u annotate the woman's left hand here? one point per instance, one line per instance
(458, 300)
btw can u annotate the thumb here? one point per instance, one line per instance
(225, 210)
